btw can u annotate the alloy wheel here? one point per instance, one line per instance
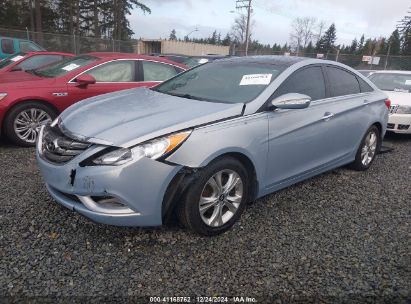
(28, 123)
(221, 197)
(369, 148)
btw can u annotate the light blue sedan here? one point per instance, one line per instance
(206, 142)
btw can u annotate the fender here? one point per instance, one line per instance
(240, 135)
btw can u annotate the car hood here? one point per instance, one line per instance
(399, 98)
(129, 117)
(17, 76)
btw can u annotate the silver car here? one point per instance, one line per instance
(206, 142)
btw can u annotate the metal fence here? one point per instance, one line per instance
(386, 62)
(73, 43)
(80, 44)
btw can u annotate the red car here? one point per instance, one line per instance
(35, 97)
(30, 60)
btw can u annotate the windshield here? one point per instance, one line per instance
(192, 62)
(223, 81)
(12, 59)
(66, 66)
(392, 82)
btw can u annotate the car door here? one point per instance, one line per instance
(116, 75)
(347, 103)
(300, 140)
(154, 72)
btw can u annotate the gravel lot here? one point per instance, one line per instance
(342, 236)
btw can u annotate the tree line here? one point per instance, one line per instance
(94, 18)
(309, 36)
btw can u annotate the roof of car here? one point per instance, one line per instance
(392, 72)
(14, 38)
(115, 55)
(268, 59)
(48, 53)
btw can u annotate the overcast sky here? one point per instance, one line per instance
(272, 18)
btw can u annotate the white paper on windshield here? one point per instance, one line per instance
(408, 82)
(401, 90)
(17, 58)
(70, 67)
(256, 79)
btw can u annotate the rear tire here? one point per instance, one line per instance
(24, 120)
(216, 198)
(368, 149)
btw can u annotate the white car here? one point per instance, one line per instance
(397, 85)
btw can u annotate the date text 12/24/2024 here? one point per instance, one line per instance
(199, 299)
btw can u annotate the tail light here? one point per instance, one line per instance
(387, 103)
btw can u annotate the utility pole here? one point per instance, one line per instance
(246, 4)
(388, 54)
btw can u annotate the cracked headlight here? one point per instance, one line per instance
(403, 110)
(153, 149)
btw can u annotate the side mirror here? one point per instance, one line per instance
(292, 101)
(84, 80)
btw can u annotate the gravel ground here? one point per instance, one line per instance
(342, 236)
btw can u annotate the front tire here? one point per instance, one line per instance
(216, 198)
(367, 150)
(24, 121)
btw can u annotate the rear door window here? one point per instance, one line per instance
(7, 46)
(342, 82)
(308, 81)
(115, 71)
(365, 87)
(155, 71)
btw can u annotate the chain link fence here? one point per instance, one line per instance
(80, 44)
(386, 62)
(73, 43)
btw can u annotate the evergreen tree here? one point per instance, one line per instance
(213, 38)
(227, 40)
(310, 48)
(395, 43)
(326, 42)
(368, 47)
(406, 42)
(353, 48)
(360, 45)
(173, 35)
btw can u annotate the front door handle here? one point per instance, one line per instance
(327, 116)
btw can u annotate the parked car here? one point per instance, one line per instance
(209, 140)
(31, 60)
(191, 61)
(397, 85)
(32, 98)
(10, 46)
(366, 73)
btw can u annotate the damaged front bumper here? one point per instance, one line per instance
(127, 195)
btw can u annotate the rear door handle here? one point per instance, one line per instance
(366, 101)
(327, 116)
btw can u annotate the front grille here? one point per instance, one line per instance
(59, 148)
(390, 126)
(393, 109)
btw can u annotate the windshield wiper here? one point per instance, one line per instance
(185, 95)
(33, 72)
